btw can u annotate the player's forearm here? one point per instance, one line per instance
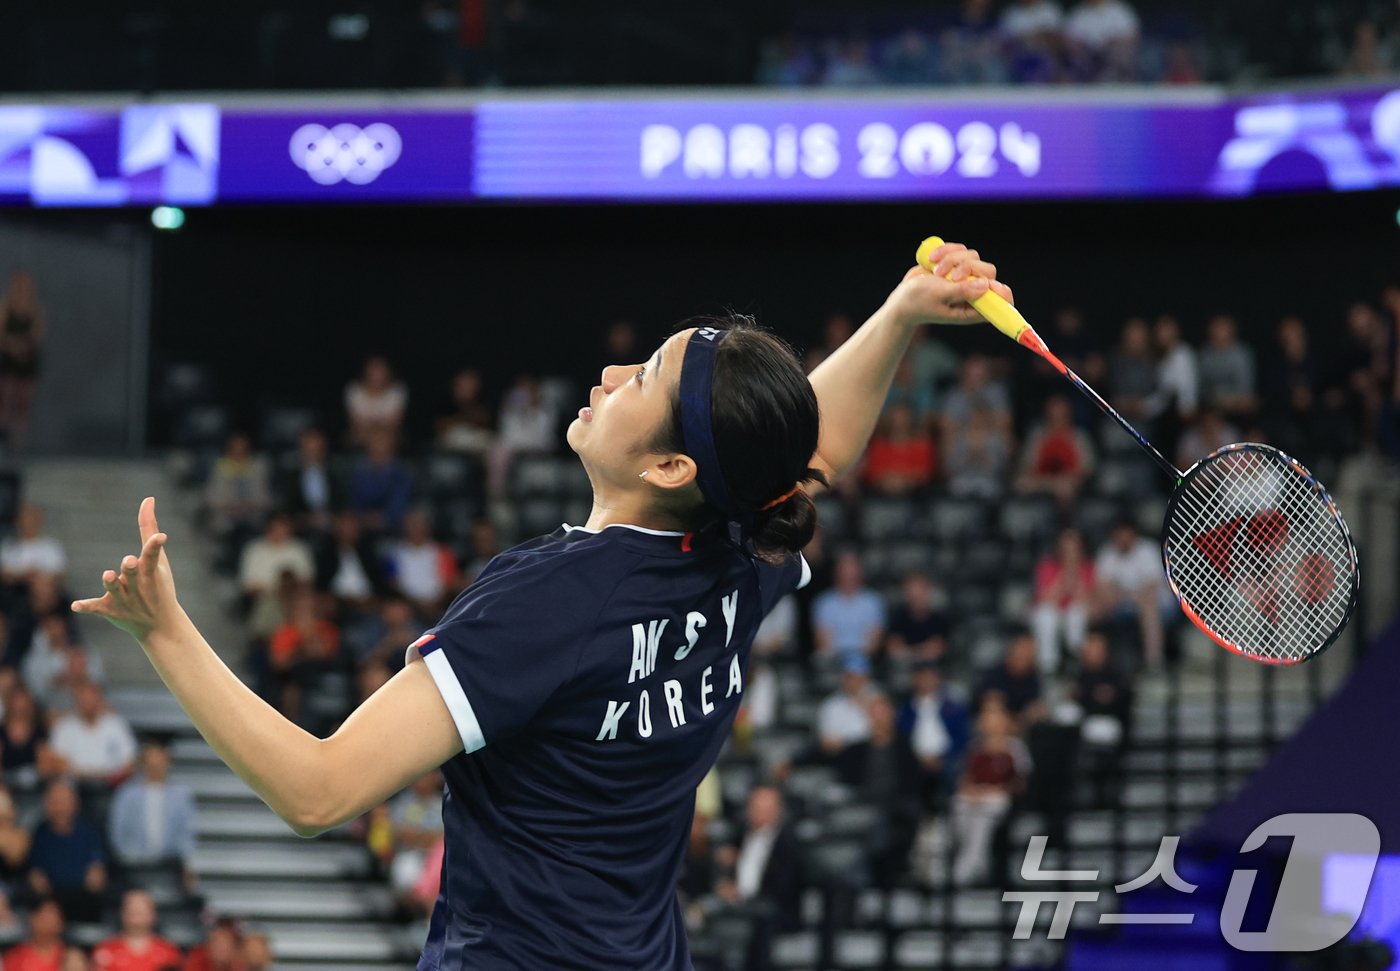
(852, 385)
(279, 761)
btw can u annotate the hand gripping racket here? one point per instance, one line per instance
(1254, 548)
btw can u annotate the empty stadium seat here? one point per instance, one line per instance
(1029, 520)
(953, 519)
(859, 949)
(885, 518)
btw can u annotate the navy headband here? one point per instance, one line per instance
(697, 431)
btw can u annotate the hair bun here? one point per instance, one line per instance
(787, 525)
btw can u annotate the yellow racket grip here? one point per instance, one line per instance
(992, 306)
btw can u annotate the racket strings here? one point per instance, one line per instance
(1258, 552)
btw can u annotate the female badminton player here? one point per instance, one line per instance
(579, 690)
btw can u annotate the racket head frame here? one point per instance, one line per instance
(1312, 483)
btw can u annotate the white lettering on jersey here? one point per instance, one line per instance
(706, 705)
(693, 622)
(611, 719)
(674, 707)
(644, 715)
(646, 641)
(730, 606)
(736, 677)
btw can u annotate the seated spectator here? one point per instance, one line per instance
(55, 664)
(998, 766)
(152, 818)
(1132, 372)
(381, 486)
(238, 494)
(1371, 55)
(383, 639)
(1178, 382)
(256, 952)
(777, 635)
(66, 859)
(1290, 391)
(849, 619)
(527, 426)
(1103, 41)
(937, 727)
(346, 565)
(787, 62)
(1227, 370)
(1064, 590)
(1014, 684)
(44, 949)
(851, 66)
(901, 459)
(1103, 696)
(14, 848)
(1057, 456)
(307, 490)
(468, 426)
(932, 363)
(843, 718)
(769, 863)
(915, 393)
(375, 404)
(93, 743)
(970, 49)
(979, 457)
(916, 629)
(976, 390)
(221, 950)
(44, 596)
(1209, 432)
(30, 553)
(422, 569)
(909, 59)
(264, 560)
(25, 755)
(137, 947)
(486, 543)
(300, 652)
(1181, 66)
(75, 959)
(1033, 32)
(425, 892)
(416, 820)
(699, 872)
(1128, 584)
(884, 772)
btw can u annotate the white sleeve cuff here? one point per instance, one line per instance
(456, 699)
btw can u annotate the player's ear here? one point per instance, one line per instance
(675, 472)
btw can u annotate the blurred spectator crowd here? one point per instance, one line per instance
(1043, 42)
(985, 601)
(96, 838)
(521, 43)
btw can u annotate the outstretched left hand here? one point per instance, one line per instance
(945, 296)
(140, 597)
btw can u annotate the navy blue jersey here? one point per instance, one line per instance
(593, 676)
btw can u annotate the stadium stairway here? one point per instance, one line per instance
(315, 898)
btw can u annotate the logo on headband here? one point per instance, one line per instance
(709, 333)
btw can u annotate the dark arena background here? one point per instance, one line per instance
(331, 279)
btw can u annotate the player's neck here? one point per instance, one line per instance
(627, 512)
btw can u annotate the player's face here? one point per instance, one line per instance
(625, 411)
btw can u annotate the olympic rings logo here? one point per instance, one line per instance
(345, 153)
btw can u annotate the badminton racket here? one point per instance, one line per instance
(1255, 550)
